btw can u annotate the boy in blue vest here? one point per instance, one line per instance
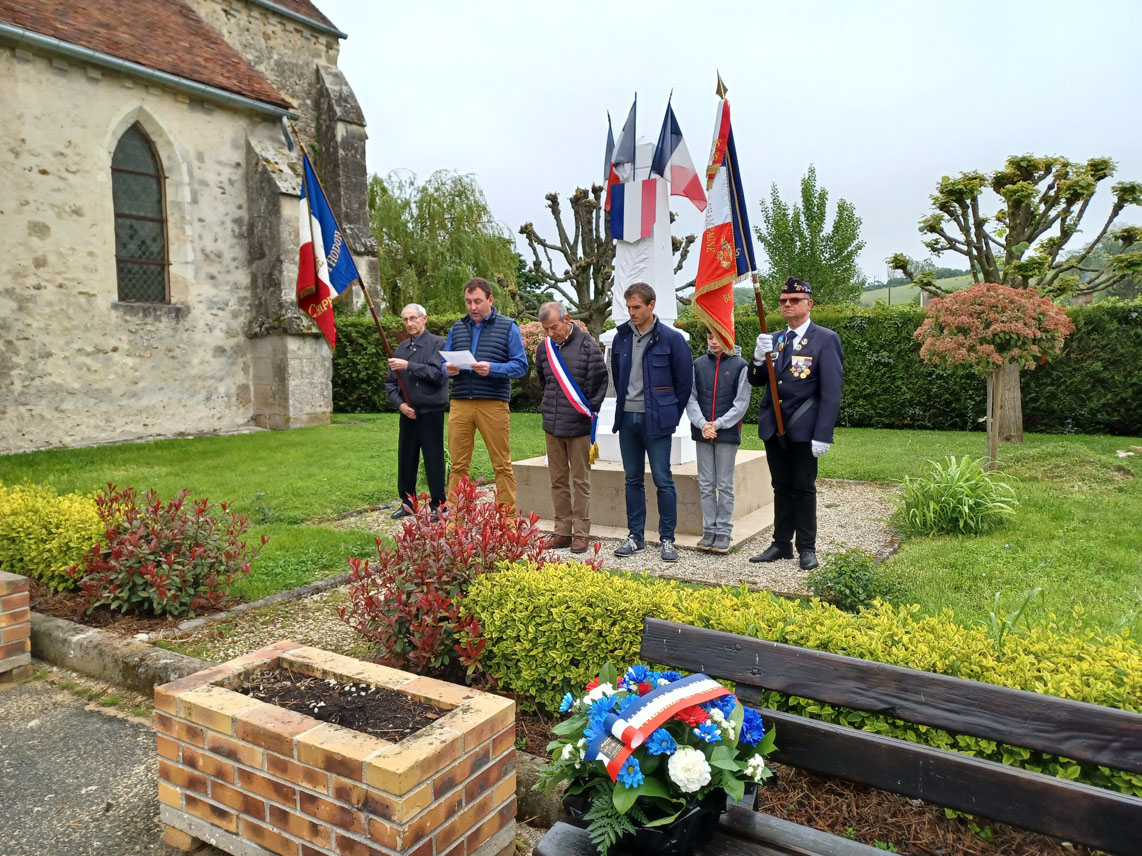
(716, 407)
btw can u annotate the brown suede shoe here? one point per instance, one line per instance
(579, 544)
(558, 542)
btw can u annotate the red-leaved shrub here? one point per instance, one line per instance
(409, 602)
(163, 558)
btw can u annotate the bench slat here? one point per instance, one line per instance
(1068, 810)
(1071, 729)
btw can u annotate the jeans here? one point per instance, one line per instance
(636, 447)
(716, 484)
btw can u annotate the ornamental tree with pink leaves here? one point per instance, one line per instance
(994, 329)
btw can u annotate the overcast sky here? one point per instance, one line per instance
(883, 97)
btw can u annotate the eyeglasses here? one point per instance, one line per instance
(789, 300)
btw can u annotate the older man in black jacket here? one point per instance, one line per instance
(567, 429)
(416, 361)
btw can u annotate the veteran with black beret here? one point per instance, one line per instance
(808, 363)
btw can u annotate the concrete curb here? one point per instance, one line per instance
(107, 657)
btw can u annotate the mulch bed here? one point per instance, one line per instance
(70, 605)
(862, 813)
(362, 707)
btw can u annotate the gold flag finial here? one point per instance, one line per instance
(721, 90)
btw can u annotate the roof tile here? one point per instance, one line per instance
(165, 35)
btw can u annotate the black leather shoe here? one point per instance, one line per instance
(401, 512)
(808, 560)
(772, 553)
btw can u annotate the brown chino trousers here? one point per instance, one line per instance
(568, 463)
(492, 418)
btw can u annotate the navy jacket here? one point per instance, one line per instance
(668, 376)
(424, 378)
(812, 372)
(501, 345)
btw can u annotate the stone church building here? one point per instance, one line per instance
(149, 215)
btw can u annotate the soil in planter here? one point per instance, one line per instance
(70, 605)
(362, 707)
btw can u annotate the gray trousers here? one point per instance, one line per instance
(716, 483)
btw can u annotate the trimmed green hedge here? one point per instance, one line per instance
(1092, 388)
(550, 630)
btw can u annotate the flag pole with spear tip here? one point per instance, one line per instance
(358, 281)
(781, 437)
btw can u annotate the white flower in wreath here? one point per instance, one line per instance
(755, 767)
(598, 692)
(689, 769)
(569, 753)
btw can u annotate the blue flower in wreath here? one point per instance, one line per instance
(638, 673)
(600, 708)
(671, 676)
(753, 729)
(661, 743)
(593, 730)
(709, 732)
(624, 702)
(565, 705)
(630, 774)
(725, 704)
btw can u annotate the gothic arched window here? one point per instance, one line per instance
(140, 219)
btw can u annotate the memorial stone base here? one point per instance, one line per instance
(753, 498)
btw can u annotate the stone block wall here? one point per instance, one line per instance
(15, 628)
(251, 778)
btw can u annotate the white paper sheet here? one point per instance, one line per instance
(460, 359)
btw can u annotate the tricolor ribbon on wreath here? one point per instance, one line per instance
(571, 389)
(625, 732)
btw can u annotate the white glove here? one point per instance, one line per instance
(819, 448)
(764, 346)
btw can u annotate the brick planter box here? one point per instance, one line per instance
(252, 778)
(15, 628)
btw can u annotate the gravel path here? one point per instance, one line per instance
(849, 515)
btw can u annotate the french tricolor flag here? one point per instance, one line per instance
(633, 206)
(672, 161)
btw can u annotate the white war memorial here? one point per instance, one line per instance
(650, 260)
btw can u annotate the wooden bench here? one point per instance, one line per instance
(1071, 811)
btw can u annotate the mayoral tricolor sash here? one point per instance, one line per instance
(567, 383)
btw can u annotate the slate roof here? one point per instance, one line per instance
(165, 35)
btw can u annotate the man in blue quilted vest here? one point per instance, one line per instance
(808, 363)
(480, 394)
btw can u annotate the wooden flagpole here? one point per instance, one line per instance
(358, 281)
(781, 438)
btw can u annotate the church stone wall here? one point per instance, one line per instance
(76, 365)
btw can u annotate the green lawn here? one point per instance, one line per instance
(1077, 533)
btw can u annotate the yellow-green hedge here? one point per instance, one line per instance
(550, 630)
(42, 534)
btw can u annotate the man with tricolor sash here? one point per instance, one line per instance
(573, 375)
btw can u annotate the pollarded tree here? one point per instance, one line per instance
(1041, 202)
(1039, 205)
(586, 255)
(989, 327)
(796, 243)
(434, 237)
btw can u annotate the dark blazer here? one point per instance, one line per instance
(424, 378)
(585, 363)
(819, 377)
(668, 376)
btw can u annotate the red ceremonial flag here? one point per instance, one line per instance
(726, 255)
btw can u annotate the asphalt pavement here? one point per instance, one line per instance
(75, 779)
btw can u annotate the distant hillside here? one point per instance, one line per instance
(904, 293)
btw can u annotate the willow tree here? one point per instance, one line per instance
(579, 264)
(1037, 205)
(435, 236)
